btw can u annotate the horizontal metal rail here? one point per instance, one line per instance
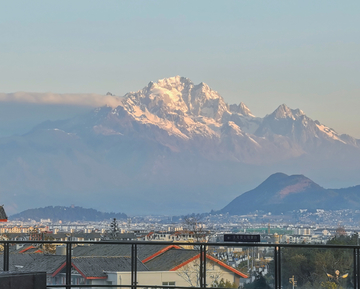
(202, 247)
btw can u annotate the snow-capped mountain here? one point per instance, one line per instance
(183, 109)
(182, 116)
(172, 142)
(296, 126)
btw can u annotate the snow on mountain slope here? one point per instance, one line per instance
(182, 116)
(172, 142)
(329, 132)
(296, 126)
(183, 109)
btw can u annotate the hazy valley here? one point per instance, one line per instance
(173, 142)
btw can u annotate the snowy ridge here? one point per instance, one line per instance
(172, 142)
(329, 132)
(183, 116)
(294, 124)
(184, 109)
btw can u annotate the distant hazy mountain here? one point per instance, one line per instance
(281, 193)
(65, 214)
(173, 142)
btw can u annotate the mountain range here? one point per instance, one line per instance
(172, 148)
(281, 193)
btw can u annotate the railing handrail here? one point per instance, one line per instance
(202, 246)
(215, 244)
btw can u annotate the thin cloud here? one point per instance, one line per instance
(85, 99)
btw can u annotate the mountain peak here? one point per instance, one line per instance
(241, 108)
(283, 111)
(276, 177)
(173, 81)
(281, 193)
(285, 180)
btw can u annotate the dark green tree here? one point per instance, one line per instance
(313, 267)
(114, 229)
(259, 283)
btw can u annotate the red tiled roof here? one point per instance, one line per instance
(222, 264)
(160, 252)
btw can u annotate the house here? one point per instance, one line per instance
(161, 265)
(185, 265)
(109, 264)
(35, 262)
(91, 270)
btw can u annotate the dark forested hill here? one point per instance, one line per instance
(67, 214)
(281, 193)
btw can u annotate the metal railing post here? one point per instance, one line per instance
(358, 267)
(355, 267)
(68, 265)
(6, 256)
(201, 267)
(204, 265)
(133, 266)
(277, 267)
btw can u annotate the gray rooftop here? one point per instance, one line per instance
(95, 266)
(170, 259)
(34, 262)
(144, 251)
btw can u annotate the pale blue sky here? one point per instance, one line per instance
(264, 53)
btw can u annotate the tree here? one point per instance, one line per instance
(313, 266)
(329, 285)
(191, 273)
(194, 225)
(259, 283)
(344, 240)
(224, 284)
(3, 237)
(114, 229)
(49, 248)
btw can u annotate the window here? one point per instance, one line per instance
(168, 283)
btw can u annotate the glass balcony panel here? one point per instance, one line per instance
(240, 266)
(172, 265)
(303, 267)
(37, 257)
(169, 265)
(101, 264)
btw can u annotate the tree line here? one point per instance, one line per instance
(327, 268)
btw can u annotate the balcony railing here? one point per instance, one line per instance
(282, 267)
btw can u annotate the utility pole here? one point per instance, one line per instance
(293, 282)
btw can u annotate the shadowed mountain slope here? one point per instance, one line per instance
(281, 193)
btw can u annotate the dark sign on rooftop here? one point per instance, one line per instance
(241, 238)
